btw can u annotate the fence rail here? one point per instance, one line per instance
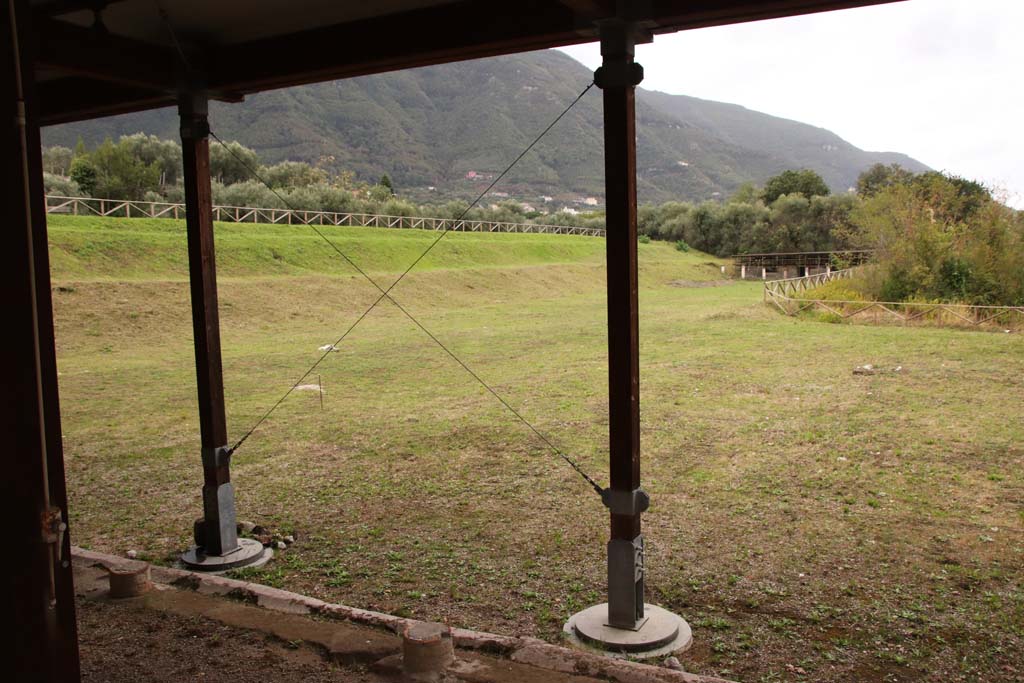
(782, 294)
(808, 259)
(87, 206)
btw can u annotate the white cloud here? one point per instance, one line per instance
(936, 79)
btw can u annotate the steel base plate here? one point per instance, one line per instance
(249, 553)
(661, 634)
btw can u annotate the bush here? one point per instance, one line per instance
(644, 239)
(681, 245)
(60, 186)
(83, 174)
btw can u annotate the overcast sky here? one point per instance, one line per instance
(939, 80)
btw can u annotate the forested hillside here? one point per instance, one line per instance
(431, 127)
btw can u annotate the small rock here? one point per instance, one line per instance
(246, 527)
(289, 539)
(281, 545)
(132, 554)
(673, 663)
(257, 530)
(842, 458)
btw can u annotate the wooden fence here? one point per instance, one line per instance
(805, 259)
(83, 206)
(783, 294)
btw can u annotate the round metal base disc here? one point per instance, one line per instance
(662, 633)
(249, 553)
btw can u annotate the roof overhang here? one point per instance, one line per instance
(102, 57)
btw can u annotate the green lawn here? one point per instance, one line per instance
(804, 519)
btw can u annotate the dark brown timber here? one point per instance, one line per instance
(617, 78)
(623, 331)
(38, 609)
(217, 536)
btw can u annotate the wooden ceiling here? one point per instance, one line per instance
(100, 57)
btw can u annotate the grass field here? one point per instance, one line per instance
(811, 524)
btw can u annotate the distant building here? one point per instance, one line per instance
(590, 201)
(471, 175)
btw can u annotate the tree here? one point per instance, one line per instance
(953, 198)
(232, 163)
(385, 181)
(745, 194)
(83, 173)
(805, 182)
(57, 160)
(942, 238)
(293, 174)
(150, 149)
(879, 177)
(120, 174)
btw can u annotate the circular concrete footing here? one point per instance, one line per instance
(662, 633)
(249, 553)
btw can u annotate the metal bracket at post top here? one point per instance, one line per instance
(194, 111)
(618, 74)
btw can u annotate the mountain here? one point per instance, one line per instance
(433, 127)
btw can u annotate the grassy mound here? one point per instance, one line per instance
(90, 248)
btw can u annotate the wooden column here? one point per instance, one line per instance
(215, 533)
(38, 608)
(617, 78)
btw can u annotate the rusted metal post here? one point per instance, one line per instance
(39, 605)
(617, 78)
(216, 533)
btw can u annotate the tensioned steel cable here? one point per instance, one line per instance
(386, 294)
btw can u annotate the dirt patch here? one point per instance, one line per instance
(120, 642)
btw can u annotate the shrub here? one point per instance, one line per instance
(681, 245)
(644, 239)
(60, 186)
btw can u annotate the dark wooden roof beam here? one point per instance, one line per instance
(73, 99)
(434, 35)
(80, 51)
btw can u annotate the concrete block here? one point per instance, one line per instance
(128, 578)
(427, 650)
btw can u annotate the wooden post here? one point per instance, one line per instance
(617, 78)
(39, 605)
(216, 532)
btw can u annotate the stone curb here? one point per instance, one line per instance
(525, 650)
